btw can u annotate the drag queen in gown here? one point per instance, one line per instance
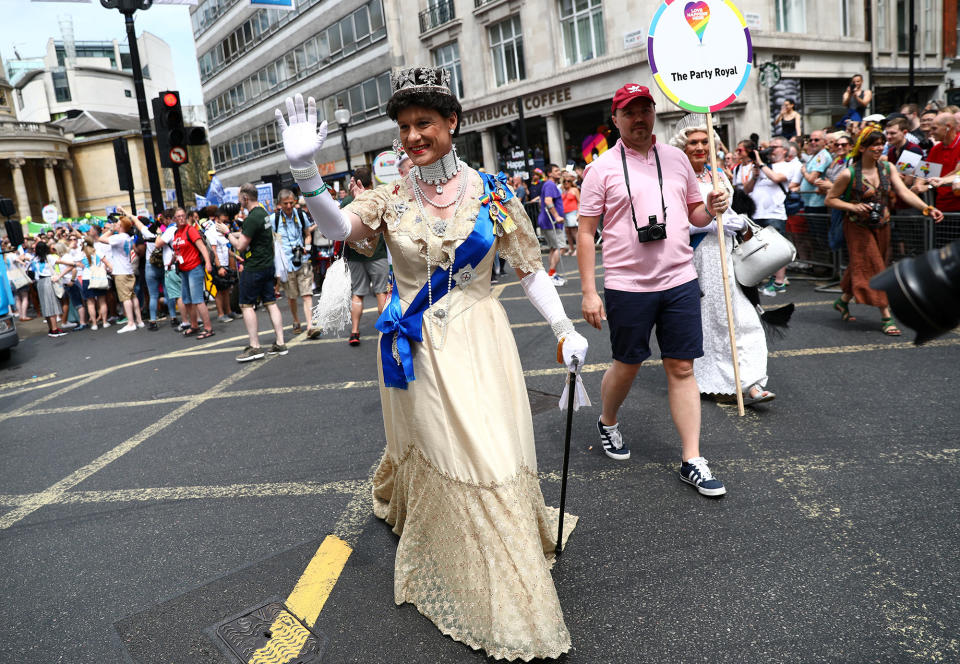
(458, 478)
(714, 371)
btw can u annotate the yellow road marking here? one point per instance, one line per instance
(307, 598)
(287, 638)
(55, 491)
(26, 381)
(552, 371)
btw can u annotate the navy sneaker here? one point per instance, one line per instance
(612, 441)
(697, 473)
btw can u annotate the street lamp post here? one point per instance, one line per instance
(127, 8)
(342, 116)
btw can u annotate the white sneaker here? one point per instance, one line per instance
(130, 327)
(558, 280)
(94, 327)
(106, 324)
(141, 324)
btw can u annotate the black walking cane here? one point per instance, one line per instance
(566, 453)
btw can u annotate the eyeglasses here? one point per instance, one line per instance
(843, 145)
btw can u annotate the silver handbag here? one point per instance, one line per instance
(763, 254)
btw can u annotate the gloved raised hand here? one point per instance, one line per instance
(301, 137)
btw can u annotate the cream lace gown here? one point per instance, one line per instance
(714, 371)
(458, 479)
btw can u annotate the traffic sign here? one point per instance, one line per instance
(178, 155)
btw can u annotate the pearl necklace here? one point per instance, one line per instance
(440, 315)
(438, 228)
(441, 171)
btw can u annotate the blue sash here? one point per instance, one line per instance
(399, 328)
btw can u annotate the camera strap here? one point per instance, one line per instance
(626, 179)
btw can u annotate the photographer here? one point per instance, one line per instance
(855, 99)
(649, 277)
(862, 192)
(296, 236)
(767, 187)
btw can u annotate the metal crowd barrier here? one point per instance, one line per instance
(912, 234)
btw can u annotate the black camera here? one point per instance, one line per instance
(876, 214)
(297, 257)
(765, 156)
(924, 291)
(653, 231)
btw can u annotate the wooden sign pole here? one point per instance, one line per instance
(723, 268)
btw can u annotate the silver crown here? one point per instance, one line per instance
(420, 79)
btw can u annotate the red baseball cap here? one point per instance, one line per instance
(628, 93)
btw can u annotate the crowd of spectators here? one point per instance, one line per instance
(137, 272)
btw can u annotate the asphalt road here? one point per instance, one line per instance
(151, 488)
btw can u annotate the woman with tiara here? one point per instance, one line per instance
(458, 479)
(714, 371)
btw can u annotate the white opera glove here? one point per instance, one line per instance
(301, 138)
(570, 343)
(301, 141)
(543, 295)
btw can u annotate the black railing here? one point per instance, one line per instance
(437, 15)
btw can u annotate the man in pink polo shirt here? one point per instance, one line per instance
(647, 194)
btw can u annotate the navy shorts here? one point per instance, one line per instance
(675, 312)
(257, 284)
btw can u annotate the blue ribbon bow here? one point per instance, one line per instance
(399, 328)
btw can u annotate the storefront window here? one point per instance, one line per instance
(791, 16)
(506, 46)
(448, 56)
(581, 24)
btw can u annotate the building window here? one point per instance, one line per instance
(929, 27)
(882, 25)
(791, 16)
(448, 56)
(581, 24)
(845, 18)
(903, 34)
(315, 53)
(506, 46)
(61, 86)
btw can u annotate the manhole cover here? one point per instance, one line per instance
(271, 634)
(542, 402)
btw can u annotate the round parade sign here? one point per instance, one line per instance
(700, 53)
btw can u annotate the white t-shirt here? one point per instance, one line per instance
(796, 174)
(73, 256)
(120, 246)
(219, 244)
(768, 195)
(167, 237)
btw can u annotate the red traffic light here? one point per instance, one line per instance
(170, 99)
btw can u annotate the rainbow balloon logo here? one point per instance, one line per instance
(698, 15)
(593, 146)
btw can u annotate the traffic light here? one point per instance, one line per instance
(171, 134)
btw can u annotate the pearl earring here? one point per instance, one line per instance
(451, 132)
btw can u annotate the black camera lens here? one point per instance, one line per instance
(657, 232)
(924, 292)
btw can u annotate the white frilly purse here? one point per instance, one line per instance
(763, 254)
(332, 312)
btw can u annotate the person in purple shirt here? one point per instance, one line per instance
(551, 220)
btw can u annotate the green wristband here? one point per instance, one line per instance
(315, 192)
